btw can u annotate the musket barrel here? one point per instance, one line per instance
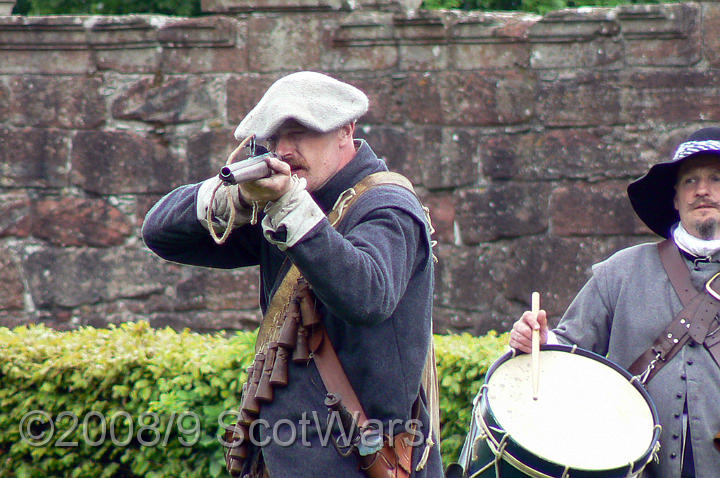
(249, 169)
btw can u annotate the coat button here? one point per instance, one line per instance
(690, 362)
(673, 455)
(683, 377)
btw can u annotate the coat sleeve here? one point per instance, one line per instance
(587, 321)
(171, 230)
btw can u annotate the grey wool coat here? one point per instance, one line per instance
(619, 313)
(374, 278)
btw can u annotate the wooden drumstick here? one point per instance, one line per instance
(535, 356)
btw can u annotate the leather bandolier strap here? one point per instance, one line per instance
(290, 330)
(697, 320)
(394, 460)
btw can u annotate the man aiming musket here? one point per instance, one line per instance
(366, 271)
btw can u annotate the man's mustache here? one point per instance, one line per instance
(704, 203)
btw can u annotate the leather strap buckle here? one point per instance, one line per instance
(710, 290)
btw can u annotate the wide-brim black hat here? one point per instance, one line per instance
(652, 195)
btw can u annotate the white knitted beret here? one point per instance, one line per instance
(317, 101)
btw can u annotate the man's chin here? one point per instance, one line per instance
(707, 229)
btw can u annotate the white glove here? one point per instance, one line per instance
(221, 206)
(295, 213)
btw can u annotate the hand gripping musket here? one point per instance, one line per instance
(250, 169)
(236, 172)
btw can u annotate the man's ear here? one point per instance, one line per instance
(347, 131)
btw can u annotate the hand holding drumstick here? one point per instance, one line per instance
(521, 333)
(527, 334)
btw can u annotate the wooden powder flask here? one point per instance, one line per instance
(309, 318)
(270, 369)
(301, 353)
(250, 402)
(286, 343)
(245, 387)
(264, 392)
(245, 418)
(279, 375)
(308, 311)
(233, 464)
(236, 452)
(241, 433)
(238, 435)
(289, 330)
(283, 349)
(240, 438)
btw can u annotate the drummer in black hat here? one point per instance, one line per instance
(656, 197)
(653, 308)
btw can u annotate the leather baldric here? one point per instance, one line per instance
(697, 321)
(395, 458)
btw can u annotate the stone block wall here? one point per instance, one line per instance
(521, 133)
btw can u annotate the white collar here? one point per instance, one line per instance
(694, 245)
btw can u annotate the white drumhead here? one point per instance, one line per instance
(588, 416)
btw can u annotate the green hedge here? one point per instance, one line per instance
(183, 8)
(192, 7)
(132, 401)
(531, 6)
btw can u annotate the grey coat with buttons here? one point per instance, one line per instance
(619, 313)
(373, 276)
